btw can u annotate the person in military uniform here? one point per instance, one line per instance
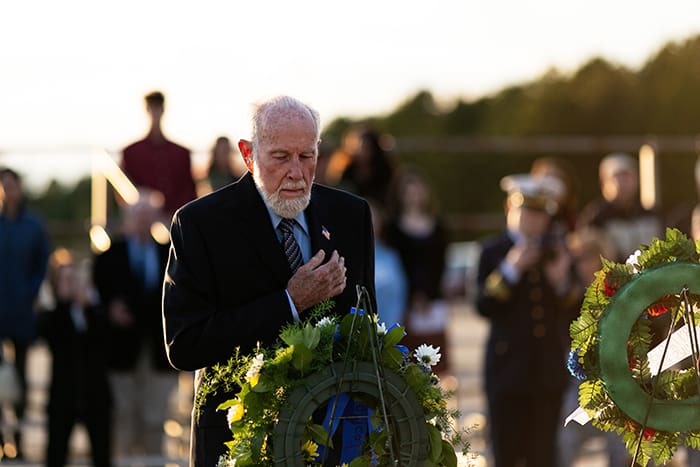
(526, 289)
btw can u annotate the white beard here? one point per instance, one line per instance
(287, 208)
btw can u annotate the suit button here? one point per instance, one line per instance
(536, 294)
(537, 313)
(539, 331)
(501, 347)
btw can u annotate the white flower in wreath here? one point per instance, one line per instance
(224, 461)
(632, 262)
(325, 321)
(381, 329)
(235, 413)
(427, 355)
(253, 373)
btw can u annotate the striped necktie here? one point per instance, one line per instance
(290, 245)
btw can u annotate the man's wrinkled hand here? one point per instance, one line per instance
(315, 282)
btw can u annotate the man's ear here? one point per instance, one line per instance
(246, 149)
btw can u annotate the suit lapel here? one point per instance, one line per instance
(262, 236)
(320, 232)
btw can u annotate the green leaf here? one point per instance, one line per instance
(360, 461)
(692, 440)
(591, 393)
(582, 331)
(283, 356)
(347, 323)
(392, 358)
(393, 337)
(308, 335)
(319, 435)
(434, 444)
(244, 460)
(664, 446)
(416, 378)
(322, 309)
(264, 385)
(375, 419)
(449, 457)
(257, 442)
(228, 404)
(291, 336)
(302, 358)
(377, 441)
(639, 343)
(311, 336)
(611, 419)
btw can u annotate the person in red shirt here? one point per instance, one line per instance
(159, 164)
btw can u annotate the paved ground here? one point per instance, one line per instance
(467, 334)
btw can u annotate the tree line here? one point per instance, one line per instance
(600, 98)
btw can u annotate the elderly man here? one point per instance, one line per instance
(618, 212)
(253, 256)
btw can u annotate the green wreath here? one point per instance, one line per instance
(276, 390)
(362, 380)
(654, 412)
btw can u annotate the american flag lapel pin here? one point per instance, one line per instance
(325, 232)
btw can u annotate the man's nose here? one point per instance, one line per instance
(295, 171)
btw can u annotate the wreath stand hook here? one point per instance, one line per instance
(364, 302)
(689, 318)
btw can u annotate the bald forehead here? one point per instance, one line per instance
(276, 118)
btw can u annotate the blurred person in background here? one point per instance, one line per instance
(389, 276)
(586, 247)
(695, 223)
(618, 212)
(680, 216)
(128, 277)
(326, 153)
(158, 164)
(24, 249)
(568, 203)
(418, 233)
(526, 290)
(339, 158)
(370, 171)
(220, 171)
(79, 392)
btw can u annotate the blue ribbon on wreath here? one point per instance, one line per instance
(355, 417)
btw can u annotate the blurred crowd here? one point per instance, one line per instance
(102, 323)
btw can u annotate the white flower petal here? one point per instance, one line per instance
(427, 355)
(632, 262)
(325, 321)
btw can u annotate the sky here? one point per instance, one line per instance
(73, 73)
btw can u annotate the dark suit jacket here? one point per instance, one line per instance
(78, 371)
(79, 388)
(527, 345)
(114, 278)
(226, 279)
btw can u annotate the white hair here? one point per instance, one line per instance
(616, 162)
(280, 105)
